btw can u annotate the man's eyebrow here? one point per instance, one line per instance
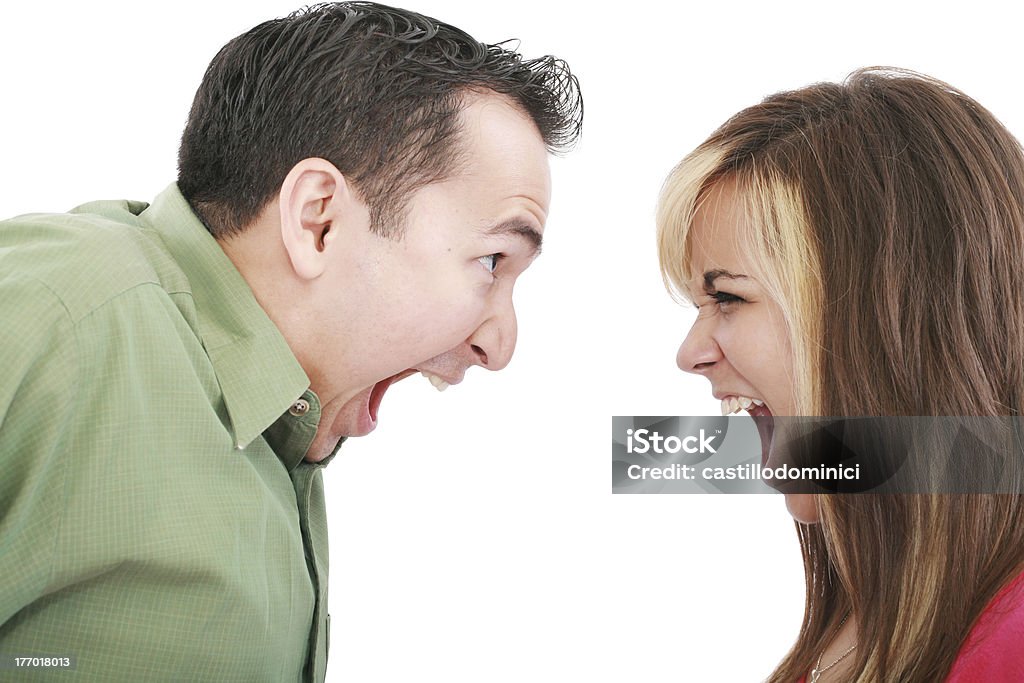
(712, 275)
(518, 227)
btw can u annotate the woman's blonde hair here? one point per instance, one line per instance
(888, 223)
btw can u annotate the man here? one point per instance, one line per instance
(359, 188)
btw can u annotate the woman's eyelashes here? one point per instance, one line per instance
(491, 261)
(725, 301)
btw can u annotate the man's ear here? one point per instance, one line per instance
(315, 197)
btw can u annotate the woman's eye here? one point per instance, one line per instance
(490, 262)
(725, 300)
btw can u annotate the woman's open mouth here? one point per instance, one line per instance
(762, 416)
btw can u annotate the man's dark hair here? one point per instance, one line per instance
(375, 90)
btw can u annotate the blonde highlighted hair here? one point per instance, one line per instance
(887, 220)
(774, 205)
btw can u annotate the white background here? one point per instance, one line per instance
(474, 536)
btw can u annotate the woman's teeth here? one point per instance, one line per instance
(733, 404)
(438, 383)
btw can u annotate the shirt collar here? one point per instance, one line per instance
(258, 373)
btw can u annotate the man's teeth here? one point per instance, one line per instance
(438, 383)
(733, 404)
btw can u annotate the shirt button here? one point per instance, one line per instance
(299, 408)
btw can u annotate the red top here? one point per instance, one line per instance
(994, 649)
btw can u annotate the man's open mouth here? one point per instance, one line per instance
(377, 393)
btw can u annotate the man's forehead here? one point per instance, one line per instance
(502, 148)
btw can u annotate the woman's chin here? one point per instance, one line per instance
(803, 507)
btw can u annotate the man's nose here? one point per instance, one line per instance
(495, 340)
(699, 352)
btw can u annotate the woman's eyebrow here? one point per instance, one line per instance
(712, 275)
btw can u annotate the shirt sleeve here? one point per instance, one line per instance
(38, 383)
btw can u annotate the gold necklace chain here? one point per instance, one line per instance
(818, 670)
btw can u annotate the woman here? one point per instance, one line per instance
(858, 249)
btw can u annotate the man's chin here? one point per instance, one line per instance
(354, 418)
(358, 416)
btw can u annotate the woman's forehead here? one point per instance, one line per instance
(719, 237)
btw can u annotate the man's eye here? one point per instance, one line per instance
(490, 262)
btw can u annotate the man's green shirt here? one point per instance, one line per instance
(157, 519)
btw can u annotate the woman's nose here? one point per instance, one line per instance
(699, 351)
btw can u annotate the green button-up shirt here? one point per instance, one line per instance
(157, 519)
